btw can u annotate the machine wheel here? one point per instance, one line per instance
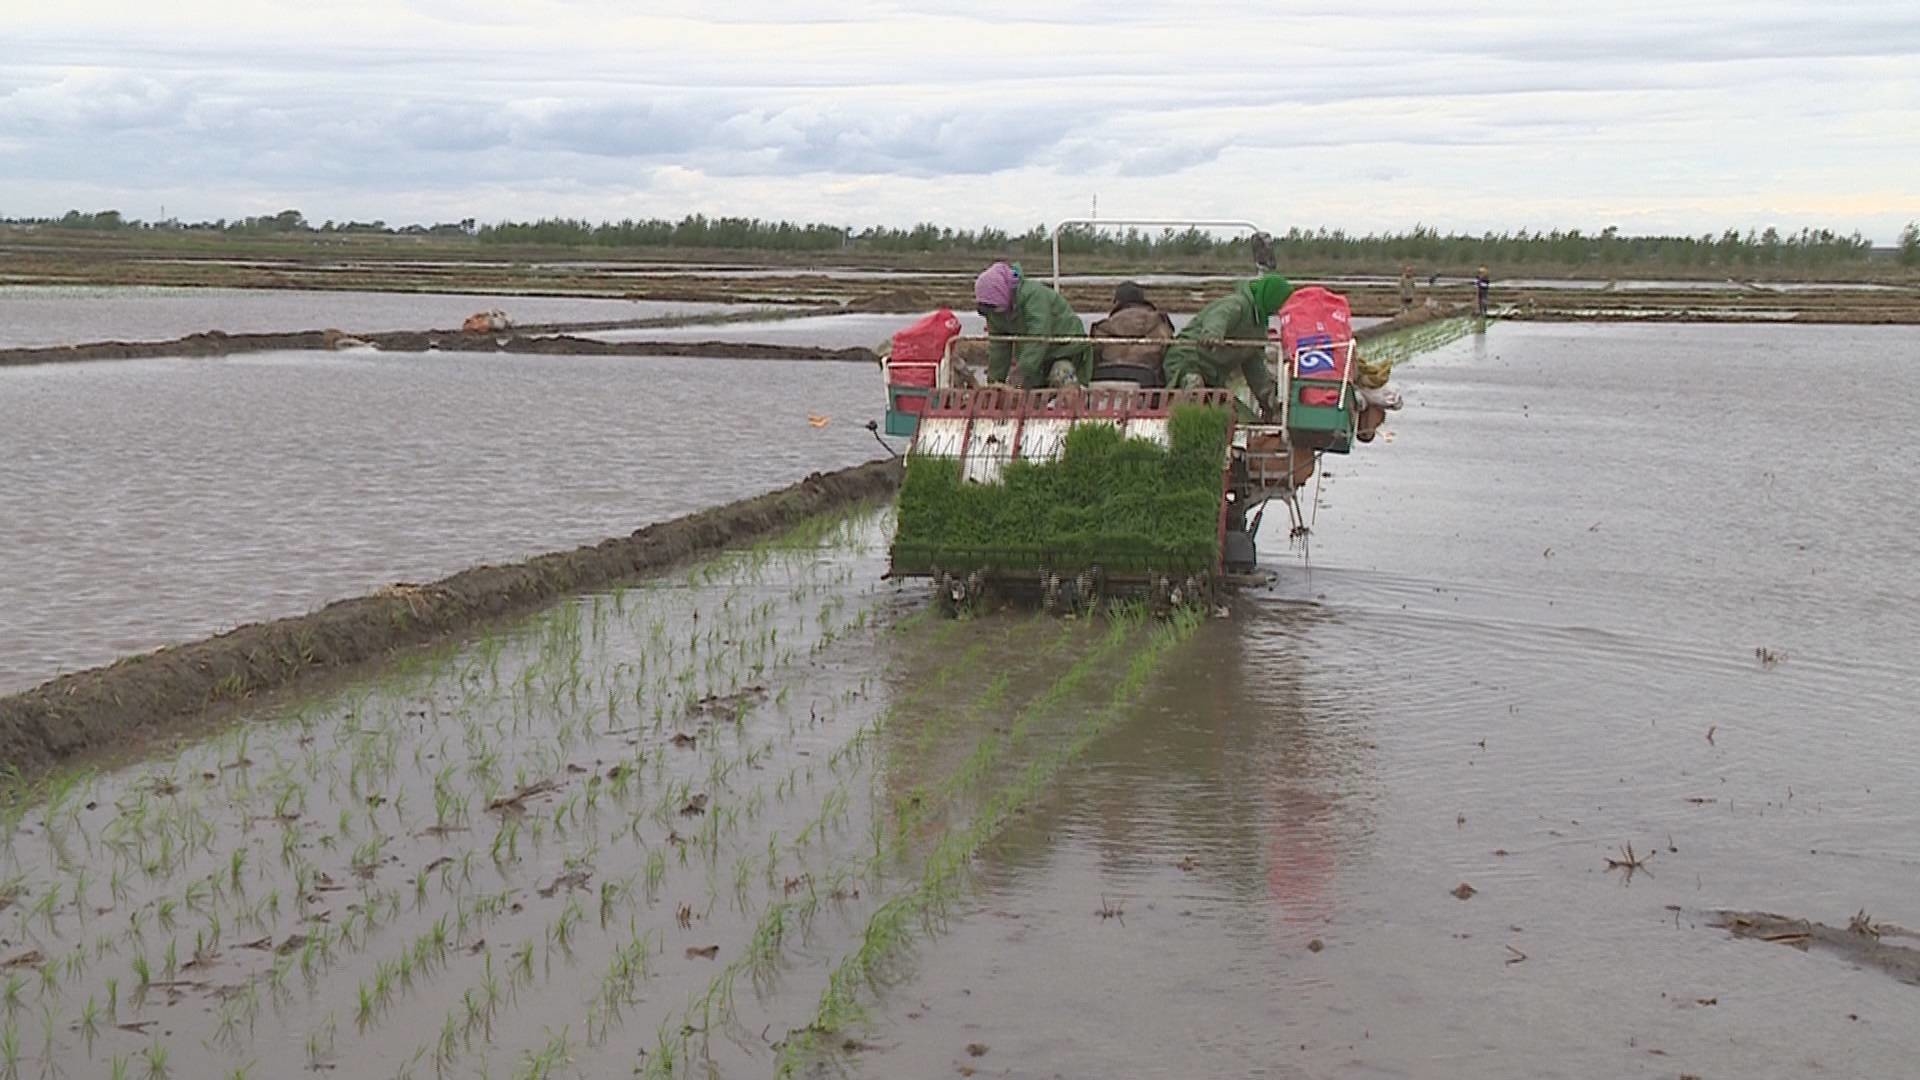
(975, 591)
(1239, 555)
(1160, 596)
(946, 589)
(954, 596)
(1088, 588)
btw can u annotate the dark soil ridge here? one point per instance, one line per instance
(1420, 316)
(520, 342)
(219, 343)
(146, 694)
(1861, 941)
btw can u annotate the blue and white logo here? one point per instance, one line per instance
(1314, 360)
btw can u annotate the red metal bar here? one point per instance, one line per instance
(1006, 403)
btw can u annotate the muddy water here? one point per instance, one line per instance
(1526, 638)
(38, 315)
(144, 502)
(1523, 620)
(488, 846)
(641, 833)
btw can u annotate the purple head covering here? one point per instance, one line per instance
(995, 286)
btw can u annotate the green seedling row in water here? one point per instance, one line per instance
(1107, 500)
(339, 801)
(890, 927)
(760, 960)
(889, 931)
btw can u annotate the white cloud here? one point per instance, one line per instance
(1365, 115)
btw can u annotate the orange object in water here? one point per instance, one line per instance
(819, 421)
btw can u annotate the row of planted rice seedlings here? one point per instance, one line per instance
(1029, 767)
(831, 872)
(435, 844)
(957, 699)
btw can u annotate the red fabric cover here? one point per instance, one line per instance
(924, 341)
(1316, 329)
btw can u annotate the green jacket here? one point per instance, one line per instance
(1038, 311)
(1235, 316)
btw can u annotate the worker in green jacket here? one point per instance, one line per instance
(1241, 315)
(1023, 308)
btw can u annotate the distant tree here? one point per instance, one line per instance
(1910, 244)
(103, 220)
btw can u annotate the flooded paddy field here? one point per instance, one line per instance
(1606, 636)
(38, 315)
(151, 501)
(691, 827)
(1560, 616)
(921, 284)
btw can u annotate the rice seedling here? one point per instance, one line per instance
(156, 1055)
(45, 908)
(656, 873)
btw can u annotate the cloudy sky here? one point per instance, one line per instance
(1370, 114)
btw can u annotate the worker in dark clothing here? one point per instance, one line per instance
(1133, 317)
(1481, 286)
(1406, 287)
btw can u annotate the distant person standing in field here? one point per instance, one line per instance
(1481, 286)
(1406, 287)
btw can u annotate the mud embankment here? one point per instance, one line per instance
(1407, 320)
(525, 341)
(217, 343)
(148, 694)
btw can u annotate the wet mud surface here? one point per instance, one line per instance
(1576, 663)
(1863, 942)
(44, 316)
(529, 342)
(918, 285)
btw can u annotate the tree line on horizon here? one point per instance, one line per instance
(1421, 245)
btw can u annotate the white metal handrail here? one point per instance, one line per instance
(943, 376)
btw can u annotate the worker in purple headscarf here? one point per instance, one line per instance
(1020, 308)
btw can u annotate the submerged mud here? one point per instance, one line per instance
(216, 343)
(137, 695)
(917, 283)
(526, 340)
(1861, 941)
